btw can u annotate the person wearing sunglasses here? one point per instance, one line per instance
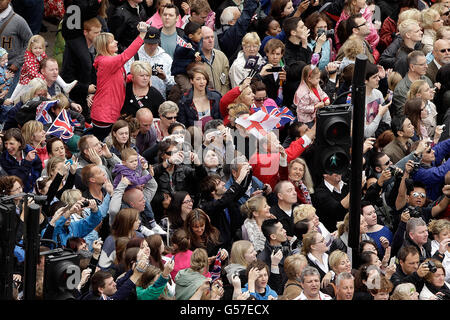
(412, 200)
(441, 54)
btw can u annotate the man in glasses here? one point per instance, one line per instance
(441, 53)
(433, 168)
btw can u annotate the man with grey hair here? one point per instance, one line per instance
(232, 31)
(310, 282)
(417, 236)
(345, 286)
(441, 54)
(417, 68)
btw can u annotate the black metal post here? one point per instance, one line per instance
(359, 106)
(31, 242)
(8, 222)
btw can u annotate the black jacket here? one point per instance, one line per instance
(427, 246)
(216, 210)
(123, 24)
(328, 205)
(88, 10)
(152, 100)
(77, 65)
(295, 52)
(400, 277)
(276, 281)
(188, 114)
(286, 221)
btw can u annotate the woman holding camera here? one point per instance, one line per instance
(435, 287)
(320, 38)
(140, 93)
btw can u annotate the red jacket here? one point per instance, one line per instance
(266, 166)
(30, 68)
(387, 29)
(227, 99)
(111, 76)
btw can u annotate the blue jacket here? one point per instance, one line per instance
(27, 171)
(80, 228)
(182, 56)
(433, 177)
(188, 113)
(258, 296)
(256, 184)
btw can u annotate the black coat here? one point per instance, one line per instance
(77, 65)
(215, 209)
(276, 281)
(286, 221)
(123, 24)
(131, 105)
(328, 205)
(295, 52)
(188, 114)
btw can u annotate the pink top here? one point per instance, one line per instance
(305, 100)
(183, 261)
(111, 77)
(157, 21)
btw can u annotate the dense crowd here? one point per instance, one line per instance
(140, 131)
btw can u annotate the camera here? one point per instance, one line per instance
(414, 212)
(154, 71)
(328, 33)
(393, 171)
(85, 203)
(432, 266)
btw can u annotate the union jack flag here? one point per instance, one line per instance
(42, 114)
(283, 113)
(182, 43)
(62, 126)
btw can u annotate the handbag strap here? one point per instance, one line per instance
(6, 23)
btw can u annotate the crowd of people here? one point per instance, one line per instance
(134, 130)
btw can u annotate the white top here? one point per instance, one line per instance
(324, 267)
(322, 296)
(445, 262)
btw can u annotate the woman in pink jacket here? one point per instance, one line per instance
(111, 76)
(309, 96)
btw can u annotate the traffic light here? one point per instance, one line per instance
(333, 139)
(61, 274)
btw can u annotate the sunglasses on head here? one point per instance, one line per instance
(418, 194)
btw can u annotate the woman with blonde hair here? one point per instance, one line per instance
(257, 210)
(298, 173)
(431, 22)
(110, 95)
(405, 291)
(315, 250)
(34, 135)
(191, 281)
(293, 267)
(250, 47)
(241, 94)
(139, 93)
(421, 89)
(308, 212)
(440, 230)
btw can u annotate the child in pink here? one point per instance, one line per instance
(34, 54)
(309, 96)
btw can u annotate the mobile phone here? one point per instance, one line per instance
(275, 69)
(392, 261)
(173, 258)
(69, 161)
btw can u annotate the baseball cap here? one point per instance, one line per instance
(152, 35)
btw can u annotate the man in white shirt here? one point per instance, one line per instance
(310, 282)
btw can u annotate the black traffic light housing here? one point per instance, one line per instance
(333, 140)
(59, 266)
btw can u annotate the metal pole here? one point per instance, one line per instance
(359, 106)
(31, 242)
(8, 222)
